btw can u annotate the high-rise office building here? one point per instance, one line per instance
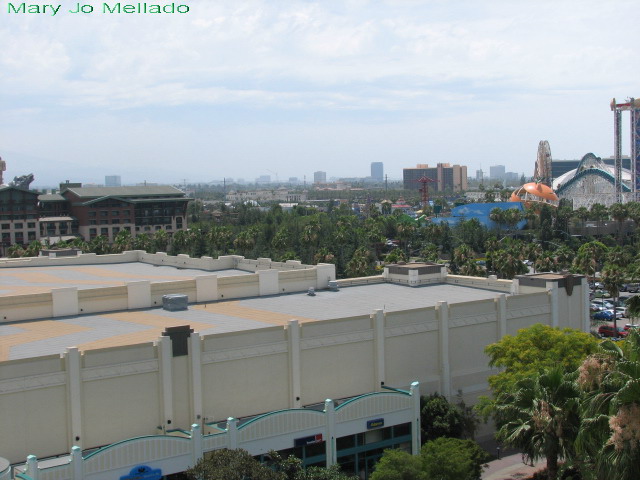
(377, 171)
(480, 175)
(319, 177)
(112, 181)
(445, 177)
(497, 172)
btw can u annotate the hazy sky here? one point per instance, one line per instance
(242, 88)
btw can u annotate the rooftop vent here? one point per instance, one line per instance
(175, 302)
(333, 286)
(311, 292)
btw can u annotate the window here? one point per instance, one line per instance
(116, 230)
(104, 231)
(31, 225)
(104, 222)
(92, 213)
(115, 213)
(92, 222)
(92, 231)
(126, 213)
(104, 213)
(6, 226)
(17, 225)
(115, 221)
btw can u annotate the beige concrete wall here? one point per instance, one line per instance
(14, 308)
(33, 410)
(94, 300)
(257, 371)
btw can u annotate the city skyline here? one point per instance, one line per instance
(287, 89)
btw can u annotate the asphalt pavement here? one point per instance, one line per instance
(510, 467)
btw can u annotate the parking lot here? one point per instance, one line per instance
(610, 318)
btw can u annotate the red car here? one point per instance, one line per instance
(608, 331)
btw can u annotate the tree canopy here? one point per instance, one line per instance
(534, 349)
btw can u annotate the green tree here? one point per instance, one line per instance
(541, 416)
(452, 459)
(534, 349)
(231, 465)
(398, 465)
(439, 418)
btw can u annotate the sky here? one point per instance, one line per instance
(243, 88)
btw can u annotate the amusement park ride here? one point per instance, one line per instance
(633, 106)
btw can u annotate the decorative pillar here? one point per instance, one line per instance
(330, 442)
(445, 365)
(378, 335)
(195, 357)
(232, 433)
(32, 467)
(415, 423)
(295, 380)
(501, 314)
(552, 290)
(165, 351)
(196, 444)
(77, 463)
(74, 389)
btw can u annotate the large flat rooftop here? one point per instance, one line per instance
(45, 337)
(23, 280)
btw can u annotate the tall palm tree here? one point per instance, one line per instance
(589, 258)
(612, 278)
(541, 417)
(611, 409)
(599, 213)
(633, 308)
(496, 215)
(619, 213)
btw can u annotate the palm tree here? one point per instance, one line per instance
(160, 240)
(581, 214)
(496, 215)
(619, 213)
(611, 409)
(512, 217)
(589, 258)
(633, 308)
(541, 417)
(598, 213)
(612, 278)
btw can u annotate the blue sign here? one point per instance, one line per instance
(143, 472)
(377, 423)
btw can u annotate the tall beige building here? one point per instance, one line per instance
(446, 177)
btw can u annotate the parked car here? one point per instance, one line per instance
(633, 287)
(609, 331)
(601, 294)
(618, 312)
(629, 326)
(596, 307)
(603, 315)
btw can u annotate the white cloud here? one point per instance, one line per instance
(453, 68)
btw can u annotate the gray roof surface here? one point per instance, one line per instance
(88, 331)
(51, 197)
(16, 280)
(91, 192)
(362, 300)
